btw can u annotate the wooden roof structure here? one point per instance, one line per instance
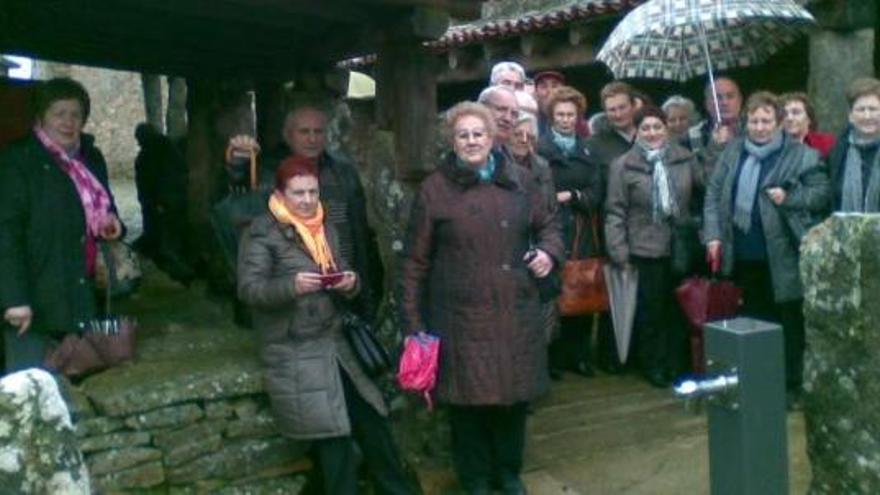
(259, 38)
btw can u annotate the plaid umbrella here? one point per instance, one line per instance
(680, 39)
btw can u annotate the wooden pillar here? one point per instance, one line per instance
(406, 104)
(844, 28)
(270, 104)
(216, 112)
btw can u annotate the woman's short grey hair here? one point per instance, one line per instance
(681, 101)
(531, 120)
(500, 67)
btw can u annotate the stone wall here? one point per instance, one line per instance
(190, 416)
(117, 108)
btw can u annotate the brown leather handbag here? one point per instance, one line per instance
(583, 281)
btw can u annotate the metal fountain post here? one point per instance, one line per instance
(745, 393)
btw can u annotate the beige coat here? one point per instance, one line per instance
(302, 340)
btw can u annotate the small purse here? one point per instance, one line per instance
(372, 355)
(419, 365)
(583, 280)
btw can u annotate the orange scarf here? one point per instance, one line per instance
(311, 230)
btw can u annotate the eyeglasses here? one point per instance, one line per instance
(467, 134)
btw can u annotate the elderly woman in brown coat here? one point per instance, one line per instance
(480, 237)
(289, 273)
(649, 193)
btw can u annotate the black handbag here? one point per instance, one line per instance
(373, 356)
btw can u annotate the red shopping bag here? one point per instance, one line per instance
(419, 365)
(703, 300)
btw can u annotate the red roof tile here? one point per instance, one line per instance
(483, 30)
(530, 22)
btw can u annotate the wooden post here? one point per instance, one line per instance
(271, 109)
(216, 112)
(406, 100)
(844, 27)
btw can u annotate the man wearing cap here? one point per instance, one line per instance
(545, 83)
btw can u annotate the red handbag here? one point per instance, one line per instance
(583, 280)
(703, 300)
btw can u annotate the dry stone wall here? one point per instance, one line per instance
(172, 424)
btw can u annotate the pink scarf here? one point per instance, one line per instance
(94, 198)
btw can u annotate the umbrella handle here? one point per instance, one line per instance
(253, 169)
(711, 75)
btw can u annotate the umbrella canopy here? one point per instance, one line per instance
(677, 39)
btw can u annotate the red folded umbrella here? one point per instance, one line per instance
(703, 300)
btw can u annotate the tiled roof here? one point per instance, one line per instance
(529, 22)
(483, 30)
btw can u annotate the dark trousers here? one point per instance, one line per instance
(758, 302)
(487, 445)
(606, 344)
(572, 348)
(658, 324)
(338, 459)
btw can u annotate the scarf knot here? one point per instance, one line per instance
(310, 230)
(565, 142)
(749, 177)
(484, 173)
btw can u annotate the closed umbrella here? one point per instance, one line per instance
(677, 40)
(623, 285)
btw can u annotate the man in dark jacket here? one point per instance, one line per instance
(341, 193)
(709, 137)
(619, 105)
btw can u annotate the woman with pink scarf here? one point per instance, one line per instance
(55, 205)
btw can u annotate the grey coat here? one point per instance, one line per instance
(302, 340)
(630, 229)
(799, 171)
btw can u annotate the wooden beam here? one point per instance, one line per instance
(216, 111)
(563, 56)
(406, 103)
(460, 9)
(527, 45)
(577, 34)
(452, 58)
(429, 23)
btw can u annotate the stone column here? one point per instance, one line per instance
(38, 447)
(841, 49)
(831, 73)
(840, 265)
